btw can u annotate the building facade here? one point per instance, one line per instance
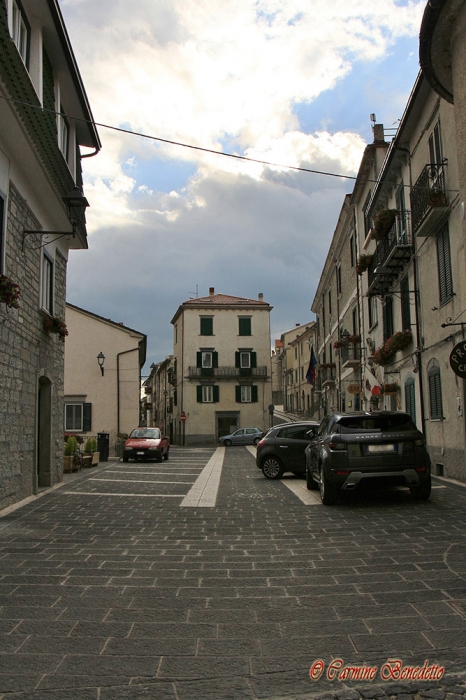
(223, 367)
(41, 218)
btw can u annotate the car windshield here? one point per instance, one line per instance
(376, 424)
(151, 433)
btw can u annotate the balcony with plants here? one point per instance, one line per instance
(429, 199)
(392, 231)
(227, 372)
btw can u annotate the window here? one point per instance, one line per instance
(63, 134)
(208, 393)
(176, 334)
(435, 393)
(435, 146)
(405, 304)
(330, 302)
(20, 31)
(296, 353)
(207, 325)
(47, 284)
(410, 399)
(444, 266)
(367, 218)
(355, 321)
(387, 318)
(246, 394)
(206, 359)
(351, 247)
(338, 271)
(401, 222)
(245, 360)
(244, 325)
(372, 311)
(2, 214)
(73, 416)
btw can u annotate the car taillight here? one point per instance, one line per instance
(343, 472)
(260, 443)
(337, 445)
(420, 469)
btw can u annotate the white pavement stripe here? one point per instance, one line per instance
(310, 498)
(141, 481)
(138, 495)
(252, 450)
(203, 493)
(173, 473)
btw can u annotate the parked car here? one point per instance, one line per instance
(243, 436)
(352, 449)
(282, 449)
(146, 443)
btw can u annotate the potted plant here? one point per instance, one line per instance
(53, 324)
(436, 197)
(90, 450)
(363, 263)
(70, 454)
(9, 292)
(390, 388)
(382, 223)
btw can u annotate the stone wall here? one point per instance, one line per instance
(27, 352)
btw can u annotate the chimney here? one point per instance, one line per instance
(261, 296)
(378, 133)
(297, 325)
(211, 291)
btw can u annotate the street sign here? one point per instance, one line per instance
(458, 359)
(183, 417)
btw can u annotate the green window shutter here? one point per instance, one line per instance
(238, 394)
(405, 305)
(237, 359)
(435, 394)
(216, 394)
(87, 417)
(254, 394)
(244, 326)
(410, 399)
(199, 393)
(215, 360)
(199, 359)
(253, 359)
(444, 266)
(175, 397)
(207, 326)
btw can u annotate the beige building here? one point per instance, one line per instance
(223, 368)
(295, 357)
(103, 362)
(161, 396)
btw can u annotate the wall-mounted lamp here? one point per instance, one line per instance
(101, 360)
(76, 205)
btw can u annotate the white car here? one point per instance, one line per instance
(243, 436)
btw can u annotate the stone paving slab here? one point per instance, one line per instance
(108, 596)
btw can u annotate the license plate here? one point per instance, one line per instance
(380, 448)
(140, 453)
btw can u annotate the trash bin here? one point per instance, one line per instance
(103, 444)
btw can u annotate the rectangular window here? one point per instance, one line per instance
(338, 279)
(245, 360)
(355, 321)
(207, 394)
(73, 416)
(435, 146)
(387, 318)
(372, 311)
(330, 302)
(64, 135)
(207, 325)
(244, 325)
(444, 266)
(351, 247)
(20, 31)
(47, 284)
(246, 394)
(207, 360)
(405, 304)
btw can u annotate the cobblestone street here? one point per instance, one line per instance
(120, 584)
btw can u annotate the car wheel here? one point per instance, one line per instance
(159, 457)
(421, 492)
(125, 458)
(328, 492)
(227, 443)
(256, 440)
(272, 468)
(310, 483)
(166, 455)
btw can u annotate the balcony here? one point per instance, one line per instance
(428, 199)
(227, 372)
(391, 256)
(327, 376)
(171, 376)
(350, 355)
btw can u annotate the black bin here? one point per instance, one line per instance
(103, 446)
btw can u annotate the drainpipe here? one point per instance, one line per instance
(125, 352)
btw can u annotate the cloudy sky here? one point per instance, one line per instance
(287, 81)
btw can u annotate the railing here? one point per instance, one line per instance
(327, 374)
(350, 352)
(226, 372)
(398, 236)
(428, 191)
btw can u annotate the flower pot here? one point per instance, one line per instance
(86, 461)
(436, 199)
(95, 459)
(70, 464)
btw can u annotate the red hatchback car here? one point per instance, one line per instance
(146, 443)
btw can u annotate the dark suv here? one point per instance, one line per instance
(383, 447)
(282, 449)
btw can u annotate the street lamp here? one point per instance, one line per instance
(101, 360)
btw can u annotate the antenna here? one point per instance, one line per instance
(373, 118)
(196, 292)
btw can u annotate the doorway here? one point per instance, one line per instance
(44, 434)
(227, 423)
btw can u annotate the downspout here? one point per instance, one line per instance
(125, 352)
(360, 308)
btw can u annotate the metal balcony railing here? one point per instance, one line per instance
(392, 254)
(327, 374)
(350, 353)
(428, 192)
(227, 372)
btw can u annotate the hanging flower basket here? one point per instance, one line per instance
(363, 263)
(56, 325)
(9, 292)
(398, 341)
(382, 223)
(436, 198)
(390, 388)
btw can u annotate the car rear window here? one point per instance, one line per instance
(153, 434)
(376, 424)
(296, 433)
